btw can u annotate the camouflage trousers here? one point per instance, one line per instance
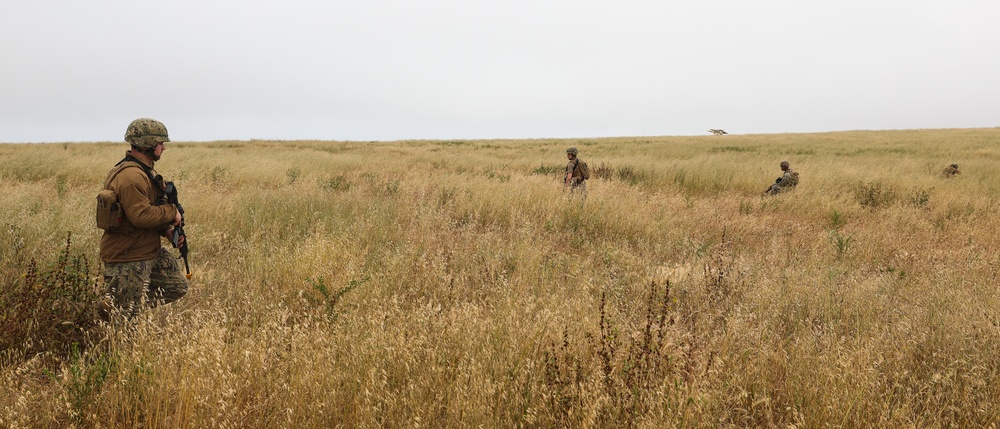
(135, 285)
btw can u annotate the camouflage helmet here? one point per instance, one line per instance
(572, 150)
(784, 163)
(145, 133)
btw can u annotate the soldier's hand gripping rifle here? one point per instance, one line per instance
(171, 192)
(773, 189)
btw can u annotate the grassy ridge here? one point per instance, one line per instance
(451, 283)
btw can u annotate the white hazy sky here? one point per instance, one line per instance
(73, 70)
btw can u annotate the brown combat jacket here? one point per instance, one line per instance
(138, 238)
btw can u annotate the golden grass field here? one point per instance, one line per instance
(452, 284)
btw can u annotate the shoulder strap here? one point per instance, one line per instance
(114, 172)
(127, 162)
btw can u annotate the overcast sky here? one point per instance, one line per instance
(76, 70)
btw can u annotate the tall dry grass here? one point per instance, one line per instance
(452, 284)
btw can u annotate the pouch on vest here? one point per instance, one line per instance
(109, 210)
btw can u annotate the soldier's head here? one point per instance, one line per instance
(955, 166)
(572, 152)
(147, 136)
(784, 165)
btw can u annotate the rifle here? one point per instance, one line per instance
(570, 173)
(171, 191)
(773, 189)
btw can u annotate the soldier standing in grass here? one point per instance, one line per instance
(137, 270)
(788, 180)
(950, 171)
(577, 174)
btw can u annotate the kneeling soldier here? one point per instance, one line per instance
(137, 270)
(788, 180)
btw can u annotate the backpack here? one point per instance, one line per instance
(109, 210)
(584, 169)
(795, 178)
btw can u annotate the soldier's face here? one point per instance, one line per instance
(158, 151)
(569, 156)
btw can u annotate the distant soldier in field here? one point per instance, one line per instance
(577, 173)
(137, 270)
(788, 180)
(950, 171)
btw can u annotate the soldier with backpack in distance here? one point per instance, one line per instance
(950, 171)
(577, 173)
(134, 213)
(788, 180)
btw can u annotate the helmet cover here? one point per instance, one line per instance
(145, 133)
